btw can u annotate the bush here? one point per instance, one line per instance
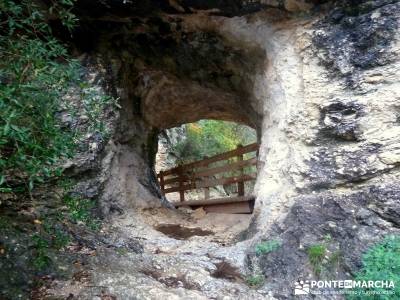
(41, 259)
(36, 73)
(255, 281)
(51, 237)
(316, 254)
(210, 137)
(267, 247)
(80, 211)
(381, 262)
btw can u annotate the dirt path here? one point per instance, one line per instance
(183, 256)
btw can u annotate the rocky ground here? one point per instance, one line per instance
(163, 254)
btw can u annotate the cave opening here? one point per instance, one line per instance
(208, 165)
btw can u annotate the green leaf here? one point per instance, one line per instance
(6, 129)
(16, 128)
(31, 185)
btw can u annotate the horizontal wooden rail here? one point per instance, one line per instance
(212, 171)
(211, 183)
(215, 201)
(203, 175)
(213, 159)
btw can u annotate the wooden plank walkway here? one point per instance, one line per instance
(240, 204)
(202, 175)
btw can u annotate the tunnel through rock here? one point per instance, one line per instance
(168, 70)
(193, 143)
(163, 81)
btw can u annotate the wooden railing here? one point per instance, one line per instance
(202, 174)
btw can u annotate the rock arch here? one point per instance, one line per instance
(329, 149)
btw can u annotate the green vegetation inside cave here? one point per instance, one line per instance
(196, 141)
(206, 138)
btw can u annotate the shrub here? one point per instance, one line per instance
(36, 73)
(267, 247)
(381, 262)
(79, 210)
(316, 254)
(255, 280)
(41, 259)
(50, 236)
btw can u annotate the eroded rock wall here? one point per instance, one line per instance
(320, 83)
(330, 136)
(165, 75)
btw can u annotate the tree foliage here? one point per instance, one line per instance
(210, 137)
(35, 73)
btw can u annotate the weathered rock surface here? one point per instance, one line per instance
(189, 266)
(320, 82)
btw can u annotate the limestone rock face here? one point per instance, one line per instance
(319, 80)
(330, 134)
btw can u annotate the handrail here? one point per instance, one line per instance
(216, 201)
(187, 177)
(212, 171)
(211, 182)
(223, 156)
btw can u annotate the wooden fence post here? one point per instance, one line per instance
(207, 189)
(241, 173)
(162, 185)
(188, 177)
(181, 181)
